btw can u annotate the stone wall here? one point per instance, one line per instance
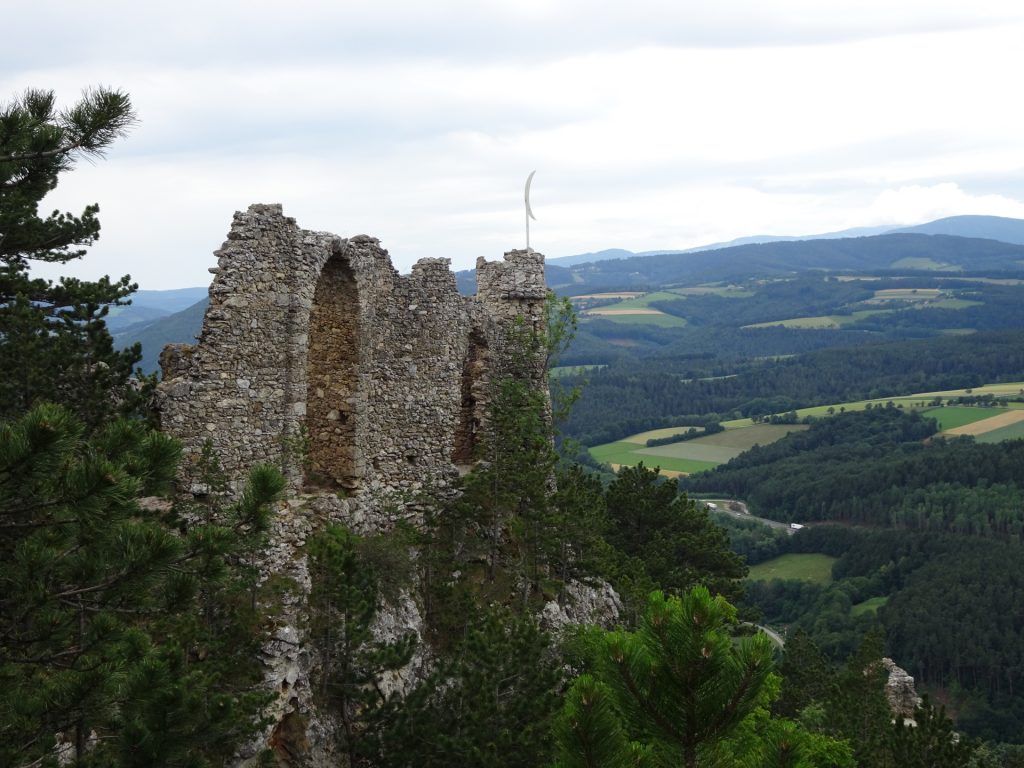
(316, 353)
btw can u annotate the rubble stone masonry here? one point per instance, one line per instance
(316, 354)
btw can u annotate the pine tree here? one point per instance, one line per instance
(343, 604)
(55, 345)
(488, 703)
(677, 542)
(681, 691)
(101, 645)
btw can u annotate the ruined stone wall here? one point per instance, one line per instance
(313, 338)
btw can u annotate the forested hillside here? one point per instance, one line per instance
(633, 396)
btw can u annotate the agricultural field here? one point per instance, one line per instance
(1005, 420)
(621, 453)
(634, 309)
(906, 294)
(922, 400)
(884, 301)
(694, 455)
(822, 321)
(1011, 432)
(913, 262)
(725, 291)
(572, 370)
(815, 568)
(987, 424)
(953, 416)
(639, 317)
(871, 605)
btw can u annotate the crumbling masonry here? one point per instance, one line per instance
(317, 354)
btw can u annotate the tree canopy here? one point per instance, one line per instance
(55, 343)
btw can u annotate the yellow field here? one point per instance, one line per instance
(989, 424)
(907, 294)
(669, 473)
(619, 295)
(609, 311)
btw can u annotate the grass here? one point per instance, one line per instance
(741, 434)
(642, 302)
(571, 370)
(694, 450)
(1011, 432)
(953, 416)
(661, 320)
(725, 291)
(625, 454)
(871, 605)
(907, 294)
(807, 323)
(747, 437)
(915, 401)
(923, 263)
(641, 438)
(691, 455)
(815, 568)
(823, 321)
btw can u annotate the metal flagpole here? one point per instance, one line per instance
(529, 213)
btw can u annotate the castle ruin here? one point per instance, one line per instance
(316, 341)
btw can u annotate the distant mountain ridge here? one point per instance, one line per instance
(907, 252)
(994, 244)
(180, 327)
(148, 305)
(1000, 228)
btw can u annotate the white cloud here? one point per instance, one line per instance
(655, 124)
(914, 203)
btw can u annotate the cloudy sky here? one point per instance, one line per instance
(653, 124)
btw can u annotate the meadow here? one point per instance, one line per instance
(816, 568)
(694, 455)
(987, 424)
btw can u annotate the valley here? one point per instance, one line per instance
(870, 389)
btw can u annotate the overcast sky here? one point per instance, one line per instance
(656, 124)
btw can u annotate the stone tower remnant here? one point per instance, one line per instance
(316, 341)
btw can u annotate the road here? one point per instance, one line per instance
(724, 506)
(779, 640)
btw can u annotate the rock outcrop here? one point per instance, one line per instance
(900, 691)
(368, 387)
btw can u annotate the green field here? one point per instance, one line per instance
(698, 454)
(912, 262)
(917, 400)
(625, 454)
(725, 291)
(1011, 432)
(907, 294)
(571, 370)
(952, 416)
(695, 450)
(662, 320)
(823, 321)
(871, 605)
(642, 302)
(813, 567)
(742, 434)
